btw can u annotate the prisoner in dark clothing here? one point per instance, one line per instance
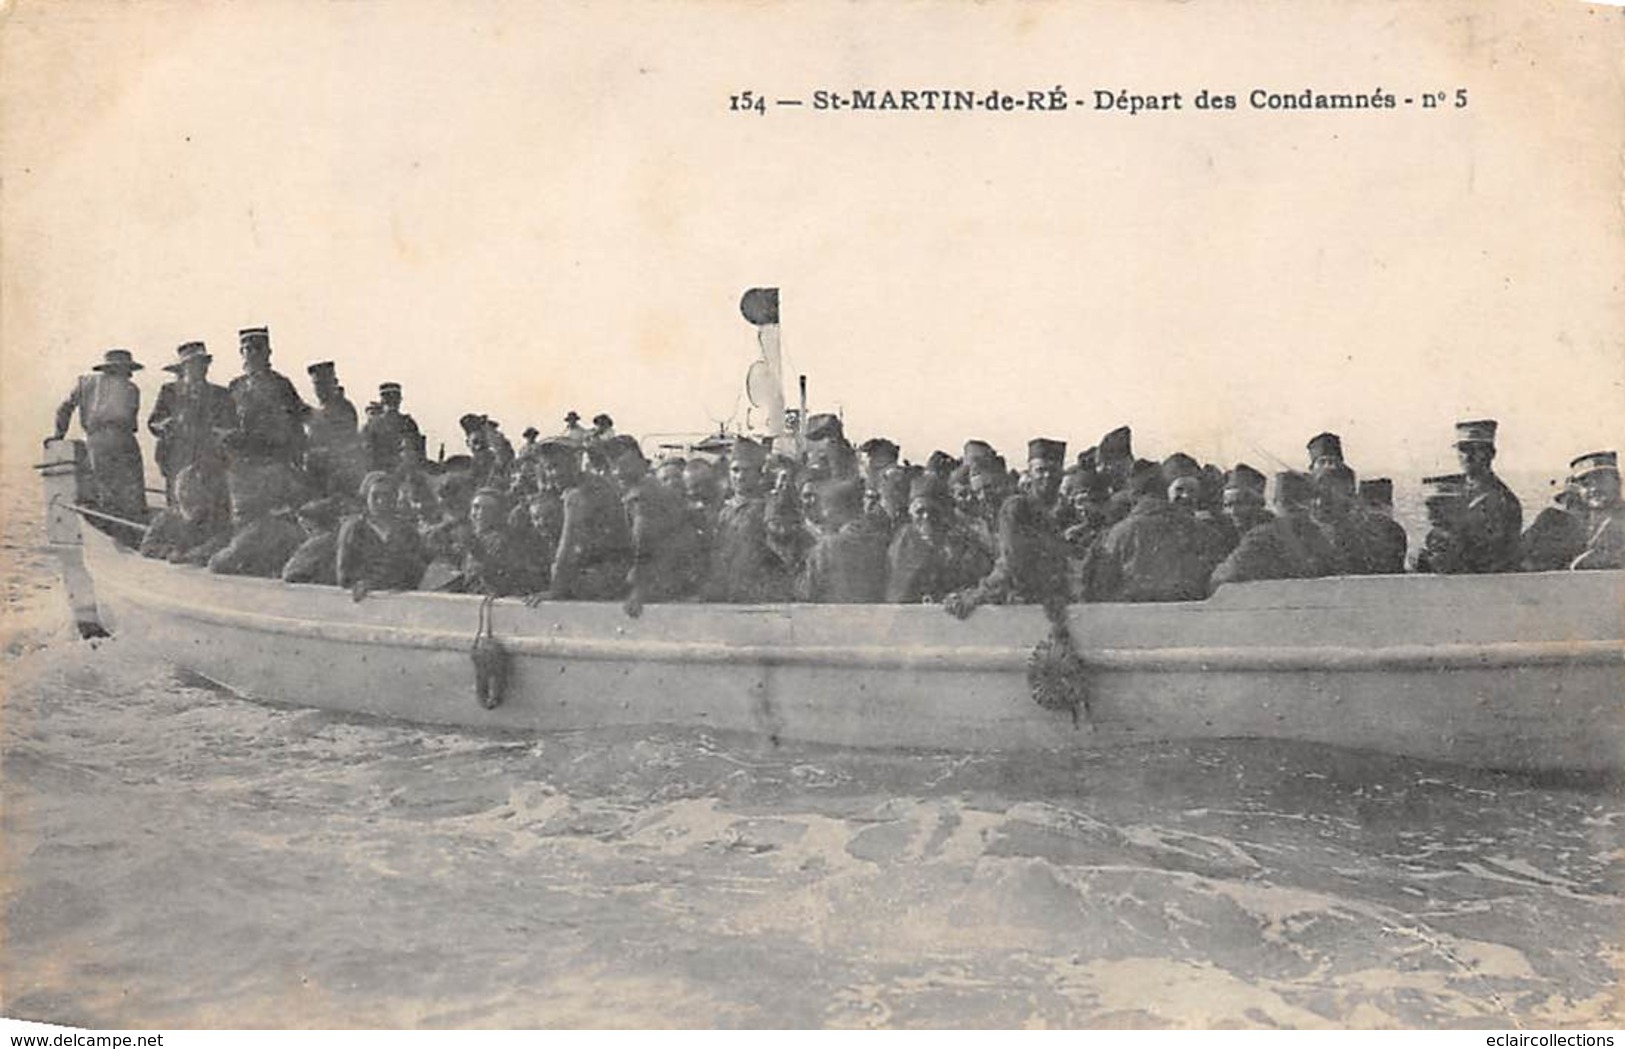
(1031, 565)
(496, 559)
(1290, 546)
(1154, 554)
(1558, 534)
(108, 403)
(316, 559)
(377, 548)
(594, 552)
(744, 567)
(668, 562)
(1385, 538)
(1336, 511)
(198, 525)
(263, 530)
(1443, 548)
(931, 557)
(847, 565)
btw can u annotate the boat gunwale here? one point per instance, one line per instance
(883, 655)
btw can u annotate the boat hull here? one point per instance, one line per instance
(1515, 671)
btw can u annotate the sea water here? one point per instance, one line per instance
(175, 856)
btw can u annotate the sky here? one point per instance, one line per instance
(526, 208)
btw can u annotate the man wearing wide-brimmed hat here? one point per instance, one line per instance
(190, 418)
(108, 402)
(1492, 519)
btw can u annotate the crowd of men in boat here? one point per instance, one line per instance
(259, 482)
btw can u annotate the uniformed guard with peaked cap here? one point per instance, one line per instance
(1490, 529)
(1597, 474)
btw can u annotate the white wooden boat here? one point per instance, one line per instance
(1519, 671)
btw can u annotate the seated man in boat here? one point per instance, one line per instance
(1157, 552)
(1215, 537)
(496, 560)
(1558, 534)
(1598, 474)
(668, 560)
(1114, 460)
(745, 569)
(264, 534)
(847, 565)
(931, 556)
(1031, 564)
(702, 491)
(829, 454)
(1243, 501)
(1336, 511)
(1443, 549)
(1290, 546)
(198, 525)
(420, 501)
(378, 549)
(316, 559)
(1386, 541)
(492, 452)
(1492, 521)
(594, 552)
(1325, 450)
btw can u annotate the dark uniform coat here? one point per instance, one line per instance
(1605, 539)
(260, 548)
(1157, 553)
(1491, 527)
(393, 563)
(1553, 541)
(594, 552)
(382, 435)
(1031, 564)
(668, 560)
(314, 561)
(174, 538)
(270, 419)
(1289, 547)
(744, 569)
(1385, 543)
(500, 562)
(188, 422)
(918, 570)
(847, 566)
(335, 457)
